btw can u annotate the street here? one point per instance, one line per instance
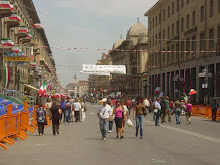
(80, 143)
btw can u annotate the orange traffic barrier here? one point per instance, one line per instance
(16, 125)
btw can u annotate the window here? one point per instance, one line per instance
(168, 32)
(187, 1)
(182, 24)
(150, 25)
(163, 33)
(202, 13)
(160, 18)
(172, 53)
(172, 30)
(164, 15)
(177, 5)
(163, 56)
(156, 40)
(182, 49)
(156, 20)
(202, 41)
(177, 52)
(211, 37)
(183, 3)
(168, 55)
(159, 37)
(218, 36)
(168, 11)
(153, 23)
(187, 48)
(172, 8)
(211, 8)
(187, 22)
(153, 41)
(177, 27)
(194, 18)
(194, 45)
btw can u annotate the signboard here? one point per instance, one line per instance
(96, 73)
(116, 69)
(17, 59)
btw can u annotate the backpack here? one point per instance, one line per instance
(163, 105)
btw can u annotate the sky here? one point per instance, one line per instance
(93, 24)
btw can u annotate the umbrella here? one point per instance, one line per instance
(192, 92)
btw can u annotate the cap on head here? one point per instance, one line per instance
(104, 100)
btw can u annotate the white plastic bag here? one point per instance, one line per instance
(130, 124)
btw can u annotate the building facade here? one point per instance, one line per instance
(131, 52)
(20, 30)
(183, 42)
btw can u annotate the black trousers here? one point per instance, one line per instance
(55, 128)
(214, 112)
(40, 128)
(77, 117)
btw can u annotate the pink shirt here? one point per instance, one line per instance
(188, 107)
(118, 112)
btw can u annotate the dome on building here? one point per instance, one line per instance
(118, 43)
(137, 29)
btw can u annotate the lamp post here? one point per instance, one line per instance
(205, 75)
(175, 80)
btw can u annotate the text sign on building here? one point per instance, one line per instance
(117, 69)
(21, 59)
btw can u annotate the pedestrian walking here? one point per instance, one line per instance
(83, 110)
(77, 107)
(147, 104)
(214, 109)
(68, 111)
(129, 105)
(157, 111)
(103, 114)
(177, 107)
(111, 118)
(163, 104)
(41, 119)
(126, 113)
(48, 104)
(188, 112)
(139, 117)
(63, 107)
(119, 117)
(168, 109)
(55, 118)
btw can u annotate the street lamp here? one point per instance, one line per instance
(205, 75)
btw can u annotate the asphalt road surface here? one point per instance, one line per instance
(81, 144)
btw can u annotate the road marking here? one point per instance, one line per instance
(190, 133)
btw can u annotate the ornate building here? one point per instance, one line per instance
(132, 53)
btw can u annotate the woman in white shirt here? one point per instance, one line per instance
(126, 113)
(83, 109)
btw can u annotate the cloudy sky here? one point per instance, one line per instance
(93, 24)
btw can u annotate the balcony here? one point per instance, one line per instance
(6, 45)
(13, 21)
(36, 50)
(22, 32)
(5, 8)
(37, 26)
(27, 40)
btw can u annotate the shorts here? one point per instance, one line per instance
(118, 122)
(188, 113)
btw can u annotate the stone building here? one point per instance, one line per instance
(131, 52)
(183, 42)
(20, 27)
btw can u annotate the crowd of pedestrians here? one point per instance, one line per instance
(58, 110)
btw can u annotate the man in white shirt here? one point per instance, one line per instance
(157, 109)
(147, 104)
(103, 113)
(77, 107)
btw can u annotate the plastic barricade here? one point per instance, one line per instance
(2, 132)
(218, 114)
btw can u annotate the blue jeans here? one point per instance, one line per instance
(103, 127)
(110, 125)
(68, 114)
(157, 118)
(140, 123)
(177, 115)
